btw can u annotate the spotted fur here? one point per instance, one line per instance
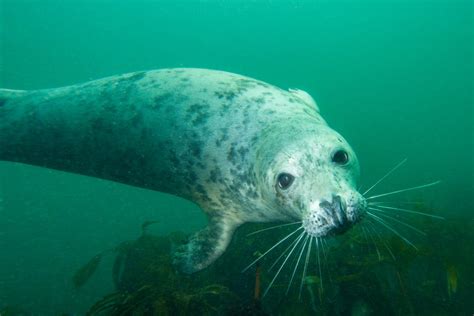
(212, 137)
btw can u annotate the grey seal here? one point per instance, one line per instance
(240, 148)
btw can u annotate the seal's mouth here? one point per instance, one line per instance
(330, 219)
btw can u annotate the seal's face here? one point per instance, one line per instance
(314, 179)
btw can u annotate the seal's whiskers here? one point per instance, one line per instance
(384, 214)
(403, 190)
(377, 233)
(384, 223)
(385, 176)
(323, 247)
(380, 215)
(319, 265)
(283, 254)
(405, 210)
(297, 263)
(273, 247)
(396, 202)
(273, 227)
(306, 260)
(367, 235)
(283, 264)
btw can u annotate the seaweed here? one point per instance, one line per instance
(359, 274)
(85, 272)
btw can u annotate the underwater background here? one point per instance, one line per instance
(395, 78)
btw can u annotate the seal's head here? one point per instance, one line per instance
(313, 179)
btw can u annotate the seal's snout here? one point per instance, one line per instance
(330, 217)
(335, 211)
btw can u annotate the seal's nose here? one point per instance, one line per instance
(335, 212)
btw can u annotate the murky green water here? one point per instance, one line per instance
(394, 77)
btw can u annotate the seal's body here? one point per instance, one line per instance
(243, 150)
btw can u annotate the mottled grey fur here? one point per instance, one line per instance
(212, 137)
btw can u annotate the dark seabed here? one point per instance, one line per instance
(394, 77)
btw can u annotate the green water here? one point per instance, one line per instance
(394, 77)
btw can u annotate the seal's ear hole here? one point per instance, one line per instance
(340, 157)
(285, 180)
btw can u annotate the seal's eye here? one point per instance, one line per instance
(340, 157)
(285, 180)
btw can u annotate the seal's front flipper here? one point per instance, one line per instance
(205, 246)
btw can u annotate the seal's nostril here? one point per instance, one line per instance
(336, 210)
(332, 217)
(341, 217)
(325, 204)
